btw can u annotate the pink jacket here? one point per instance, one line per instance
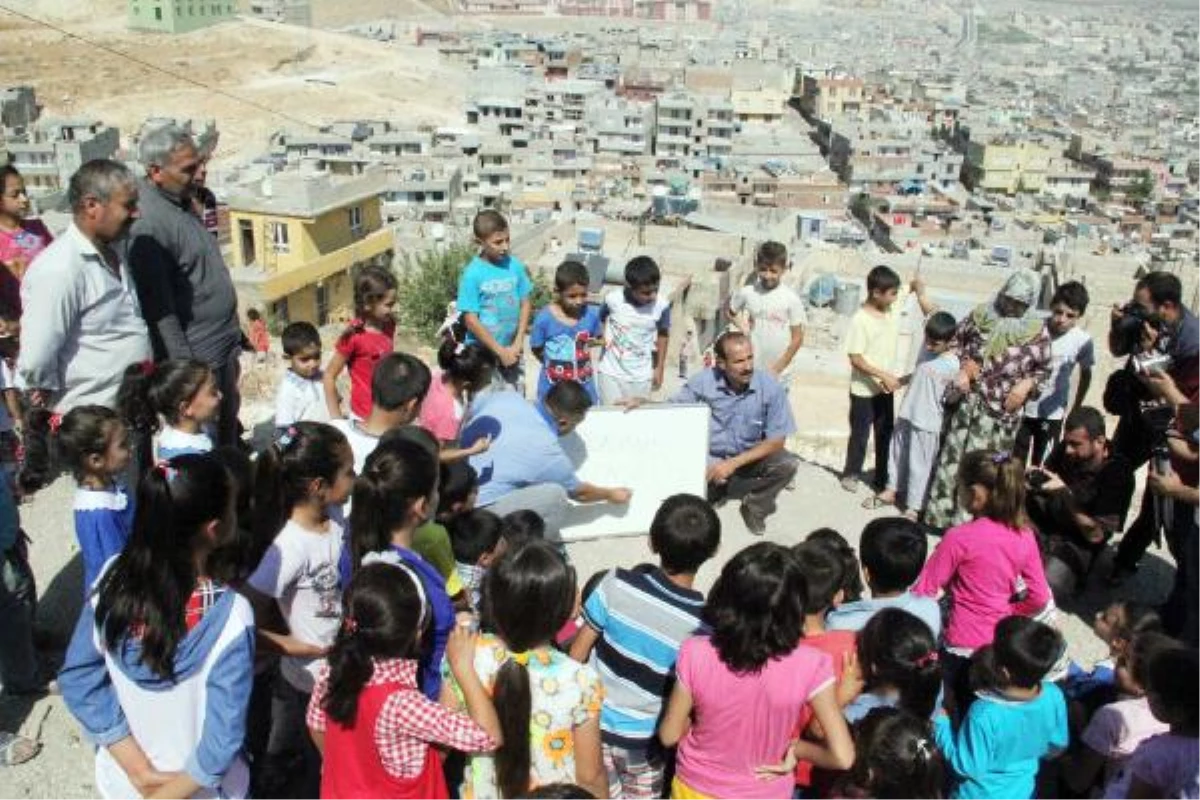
(978, 565)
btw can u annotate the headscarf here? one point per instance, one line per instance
(1000, 332)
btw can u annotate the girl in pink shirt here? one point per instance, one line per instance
(741, 688)
(465, 370)
(989, 567)
(21, 240)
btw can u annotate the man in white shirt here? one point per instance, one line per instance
(1070, 346)
(83, 325)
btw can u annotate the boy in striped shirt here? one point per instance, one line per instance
(635, 623)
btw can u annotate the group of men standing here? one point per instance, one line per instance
(136, 276)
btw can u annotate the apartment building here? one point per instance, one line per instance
(426, 192)
(288, 12)
(826, 97)
(620, 127)
(300, 235)
(50, 152)
(1007, 164)
(693, 125)
(177, 16)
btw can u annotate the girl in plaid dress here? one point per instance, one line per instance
(368, 714)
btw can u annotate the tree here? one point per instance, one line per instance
(1143, 188)
(861, 207)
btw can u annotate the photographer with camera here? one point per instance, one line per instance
(1078, 499)
(1172, 483)
(1162, 339)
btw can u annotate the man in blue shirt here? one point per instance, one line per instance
(525, 466)
(748, 429)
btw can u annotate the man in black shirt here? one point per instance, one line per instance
(1079, 499)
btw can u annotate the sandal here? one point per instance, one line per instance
(875, 501)
(16, 749)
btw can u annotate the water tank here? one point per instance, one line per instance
(660, 201)
(591, 240)
(847, 298)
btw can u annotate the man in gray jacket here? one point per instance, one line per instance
(186, 292)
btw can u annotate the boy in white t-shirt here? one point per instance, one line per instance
(637, 331)
(1070, 346)
(776, 313)
(301, 393)
(918, 431)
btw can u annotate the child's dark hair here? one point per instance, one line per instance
(240, 562)
(591, 585)
(470, 365)
(149, 390)
(285, 470)
(1172, 680)
(1022, 653)
(528, 595)
(560, 791)
(940, 327)
(1137, 618)
(852, 585)
(518, 527)
(1004, 478)
(1141, 652)
(823, 572)
(892, 550)
(685, 533)
(371, 286)
(771, 254)
(411, 433)
(457, 480)
(895, 757)
(568, 398)
(1073, 295)
(299, 337)
(383, 613)
(148, 585)
(882, 279)
(897, 650)
(570, 273)
(398, 379)
(398, 473)
(642, 271)
(473, 535)
(756, 608)
(253, 315)
(487, 222)
(86, 431)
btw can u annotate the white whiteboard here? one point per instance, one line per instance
(656, 451)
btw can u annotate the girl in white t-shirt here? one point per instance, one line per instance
(307, 471)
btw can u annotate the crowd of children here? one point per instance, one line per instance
(336, 618)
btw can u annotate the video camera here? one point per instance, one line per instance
(1127, 335)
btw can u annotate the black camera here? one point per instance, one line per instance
(1036, 479)
(1127, 329)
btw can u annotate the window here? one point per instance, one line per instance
(280, 310)
(356, 225)
(322, 304)
(279, 237)
(158, 15)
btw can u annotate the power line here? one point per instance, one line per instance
(156, 68)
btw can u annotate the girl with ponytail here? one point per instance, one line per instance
(368, 716)
(898, 656)
(990, 567)
(548, 704)
(465, 370)
(395, 494)
(169, 719)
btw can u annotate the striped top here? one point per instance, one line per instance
(643, 619)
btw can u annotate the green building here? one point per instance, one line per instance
(179, 16)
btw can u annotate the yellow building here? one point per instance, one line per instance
(1008, 165)
(299, 237)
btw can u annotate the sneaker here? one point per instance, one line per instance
(754, 523)
(850, 483)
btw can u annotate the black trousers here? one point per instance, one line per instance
(757, 485)
(1041, 434)
(870, 414)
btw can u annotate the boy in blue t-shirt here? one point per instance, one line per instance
(493, 298)
(636, 622)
